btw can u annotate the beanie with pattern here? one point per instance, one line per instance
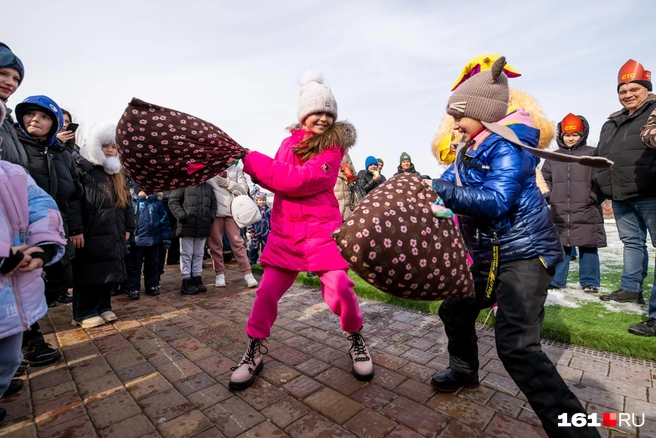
(483, 97)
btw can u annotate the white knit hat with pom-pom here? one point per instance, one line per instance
(315, 96)
(100, 134)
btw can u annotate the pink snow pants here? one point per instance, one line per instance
(336, 289)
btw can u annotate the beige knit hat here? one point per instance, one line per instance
(483, 97)
(315, 97)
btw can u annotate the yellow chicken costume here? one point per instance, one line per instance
(446, 136)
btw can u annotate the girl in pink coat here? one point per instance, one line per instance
(305, 213)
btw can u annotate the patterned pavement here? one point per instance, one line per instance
(163, 368)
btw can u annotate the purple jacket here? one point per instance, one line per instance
(28, 216)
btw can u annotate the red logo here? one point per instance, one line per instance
(609, 420)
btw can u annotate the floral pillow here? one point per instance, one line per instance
(164, 149)
(395, 243)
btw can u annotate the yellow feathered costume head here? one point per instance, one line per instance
(518, 99)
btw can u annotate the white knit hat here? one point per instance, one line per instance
(315, 96)
(100, 134)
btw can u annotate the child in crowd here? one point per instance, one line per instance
(152, 231)
(107, 221)
(305, 213)
(575, 205)
(31, 236)
(195, 210)
(369, 177)
(514, 245)
(259, 231)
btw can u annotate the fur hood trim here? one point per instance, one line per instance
(100, 134)
(341, 133)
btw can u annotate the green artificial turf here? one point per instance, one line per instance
(590, 325)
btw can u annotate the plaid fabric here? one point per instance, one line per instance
(393, 241)
(163, 149)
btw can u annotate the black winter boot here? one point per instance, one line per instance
(188, 287)
(450, 381)
(198, 282)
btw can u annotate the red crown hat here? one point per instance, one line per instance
(633, 71)
(571, 124)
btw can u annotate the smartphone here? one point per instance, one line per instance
(72, 127)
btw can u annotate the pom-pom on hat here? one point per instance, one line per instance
(572, 124)
(316, 97)
(369, 161)
(633, 71)
(483, 97)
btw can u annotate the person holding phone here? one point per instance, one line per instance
(67, 134)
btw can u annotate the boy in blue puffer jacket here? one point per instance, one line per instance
(152, 232)
(514, 245)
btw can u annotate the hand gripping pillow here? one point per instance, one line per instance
(164, 149)
(393, 241)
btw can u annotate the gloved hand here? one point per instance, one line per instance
(166, 244)
(222, 182)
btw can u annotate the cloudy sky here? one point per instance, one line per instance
(390, 64)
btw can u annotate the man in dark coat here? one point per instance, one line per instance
(631, 184)
(195, 209)
(575, 205)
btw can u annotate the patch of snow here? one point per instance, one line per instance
(558, 298)
(624, 307)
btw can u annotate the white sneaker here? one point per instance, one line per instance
(220, 281)
(108, 316)
(250, 280)
(94, 321)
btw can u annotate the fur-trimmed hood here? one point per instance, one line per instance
(100, 134)
(341, 133)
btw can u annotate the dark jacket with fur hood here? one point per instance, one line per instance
(305, 211)
(573, 199)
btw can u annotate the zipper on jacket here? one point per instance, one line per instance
(21, 228)
(19, 308)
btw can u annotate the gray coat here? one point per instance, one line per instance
(574, 200)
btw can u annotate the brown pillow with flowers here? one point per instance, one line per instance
(164, 149)
(393, 241)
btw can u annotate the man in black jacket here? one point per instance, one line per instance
(631, 184)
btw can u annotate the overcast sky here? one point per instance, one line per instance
(390, 64)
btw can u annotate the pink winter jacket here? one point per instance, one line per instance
(305, 210)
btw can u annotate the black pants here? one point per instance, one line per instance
(58, 278)
(520, 291)
(91, 300)
(148, 257)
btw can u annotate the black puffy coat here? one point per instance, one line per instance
(101, 260)
(366, 181)
(11, 148)
(574, 200)
(634, 172)
(195, 209)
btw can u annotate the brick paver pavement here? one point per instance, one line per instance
(163, 369)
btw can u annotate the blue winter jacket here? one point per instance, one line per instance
(152, 223)
(500, 198)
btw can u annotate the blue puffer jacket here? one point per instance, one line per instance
(501, 198)
(152, 223)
